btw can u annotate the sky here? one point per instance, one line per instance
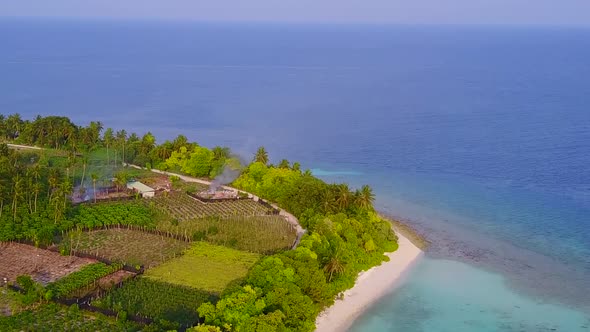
(541, 12)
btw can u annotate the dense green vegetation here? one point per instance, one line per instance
(60, 133)
(205, 266)
(169, 305)
(11, 302)
(53, 317)
(111, 214)
(286, 291)
(33, 196)
(87, 275)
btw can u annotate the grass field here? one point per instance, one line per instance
(156, 300)
(205, 266)
(259, 234)
(127, 246)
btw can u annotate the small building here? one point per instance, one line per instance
(142, 189)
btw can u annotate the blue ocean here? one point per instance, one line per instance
(476, 136)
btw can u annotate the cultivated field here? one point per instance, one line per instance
(183, 207)
(242, 224)
(156, 300)
(127, 246)
(205, 266)
(260, 234)
(42, 265)
(53, 317)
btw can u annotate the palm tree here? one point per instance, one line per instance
(284, 163)
(261, 156)
(296, 167)
(328, 201)
(121, 179)
(71, 163)
(108, 140)
(220, 153)
(179, 142)
(84, 163)
(17, 192)
(121, 139)
(335, 265)
(343, 197)
(365, 197)
(36, 190)
(94, 177)
(53, 180)
(13, 125)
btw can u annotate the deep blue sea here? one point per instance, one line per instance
(478, 137)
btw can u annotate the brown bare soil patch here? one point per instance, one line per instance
(114, 278)
(43, 266)
(157, 182)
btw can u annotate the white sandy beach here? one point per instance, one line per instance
(370, 286)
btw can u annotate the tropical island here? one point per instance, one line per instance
(101, 230)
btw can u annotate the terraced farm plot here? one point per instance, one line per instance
(183, 207)
(259, 234)
(127, 246)
(205, 266)
(43, 266)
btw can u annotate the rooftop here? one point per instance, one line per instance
(140, 187)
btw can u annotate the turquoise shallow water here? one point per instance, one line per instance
(443, 295)
(502, 276)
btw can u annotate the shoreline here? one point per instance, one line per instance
(370, 286)
(401, 227)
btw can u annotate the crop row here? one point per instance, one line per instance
(55, 317)
(260, 234)
(86, 276)
(99, 215)
(156, 300)
(184, 207)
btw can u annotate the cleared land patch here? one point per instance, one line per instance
(43, 266)
(127, 246)
(205, 266)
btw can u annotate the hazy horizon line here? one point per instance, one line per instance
(290, 23)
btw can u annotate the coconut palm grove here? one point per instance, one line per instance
(106, 230)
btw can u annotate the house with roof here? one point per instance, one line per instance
(142, 189)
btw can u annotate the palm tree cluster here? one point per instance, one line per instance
(52, 131)
(27, 183)
(339, 197)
